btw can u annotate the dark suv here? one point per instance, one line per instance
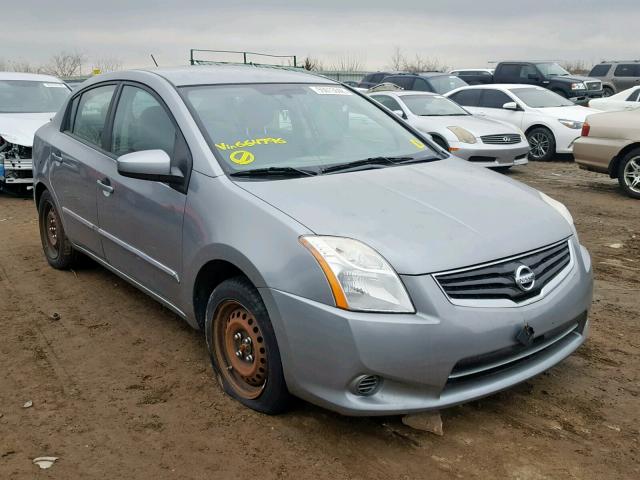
(617, 75)
(436, 82)
(373, 79)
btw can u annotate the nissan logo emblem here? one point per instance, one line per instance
(525, 278)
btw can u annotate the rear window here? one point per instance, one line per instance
(600, 71)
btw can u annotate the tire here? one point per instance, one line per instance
(607, 91)
(248, 370)
(541, 136)
(56, 246)
(629, 173)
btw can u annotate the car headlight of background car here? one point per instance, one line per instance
(465, 136)
(360, 278)
(578, 86)
(571, 123)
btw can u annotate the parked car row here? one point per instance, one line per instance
(27, 101)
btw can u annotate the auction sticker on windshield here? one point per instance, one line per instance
(242, 157)
(251, 143)
(417, 143)
(331, 90)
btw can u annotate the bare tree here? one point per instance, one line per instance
(107, 64)
(65, 64)
(577, 67)
(312, 64)
(397, 59)
(347, 63)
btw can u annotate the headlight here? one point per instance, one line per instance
(359, 277)
(571, 123)
(578, 86)
(562, 210)
(465, 136)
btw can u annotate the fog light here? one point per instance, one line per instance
(366, 385)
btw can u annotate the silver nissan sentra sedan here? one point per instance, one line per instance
(326, 248)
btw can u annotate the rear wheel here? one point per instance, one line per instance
(55, 244)
(543, 144)
(243, 348)
(629, 173)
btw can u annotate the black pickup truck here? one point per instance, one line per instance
(544, 74)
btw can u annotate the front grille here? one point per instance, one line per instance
(502, 139)
(594, 86)
(497, 280)
(498, 360)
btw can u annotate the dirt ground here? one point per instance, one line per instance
(122, 388)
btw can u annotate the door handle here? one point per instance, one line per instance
(57, 157)
(105, 186)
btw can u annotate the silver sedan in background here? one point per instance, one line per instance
(485, 142)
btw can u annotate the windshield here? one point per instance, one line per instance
(432, 106)
(296, 126)
(551, 70)
(27, 96)
(541, 98)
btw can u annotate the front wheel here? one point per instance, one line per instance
(629, 173)
(243, 348)
(543, 144)
(607, 91)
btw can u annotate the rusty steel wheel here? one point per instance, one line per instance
(240, 349)
(55, 244)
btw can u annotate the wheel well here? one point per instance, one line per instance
(538, 126)
(440, 140)
(615, 162)
(211, 275)
(40, 189)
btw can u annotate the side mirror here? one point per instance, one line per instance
(152, 165)
(399, 113)
(510, 106)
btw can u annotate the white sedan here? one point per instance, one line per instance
(628, 99)
(479, 140)
(551, 122)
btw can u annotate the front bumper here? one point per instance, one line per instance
(582, 97)
(16, 171)
(418, 356)
(487, 155)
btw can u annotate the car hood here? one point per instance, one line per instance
(478, 126)
(422, 218)
(19, 128)
(574, 78)
(574, 112)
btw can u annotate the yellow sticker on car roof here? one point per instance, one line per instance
(242, 157)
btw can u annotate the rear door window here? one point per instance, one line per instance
(494, 98)
(634, 96)
(467, 98)
(627, 70)
(91, 114)
(387, 101)
(405, 82)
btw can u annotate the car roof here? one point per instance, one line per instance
(234, 74)
(405, 93)
(34, 77)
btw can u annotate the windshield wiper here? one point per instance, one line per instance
(364, 163)
(275, 172)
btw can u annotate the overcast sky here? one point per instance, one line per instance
(458, 33)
